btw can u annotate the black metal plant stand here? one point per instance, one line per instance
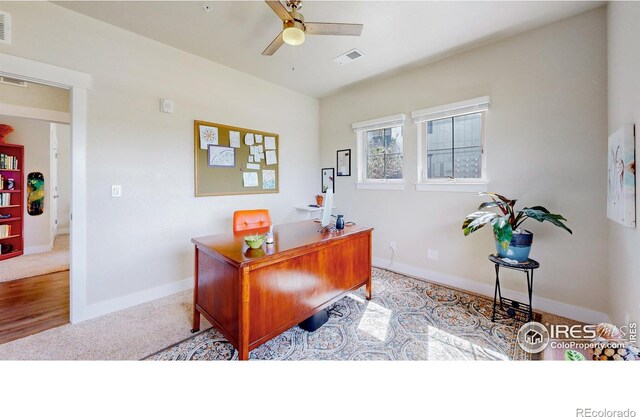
(515, 306)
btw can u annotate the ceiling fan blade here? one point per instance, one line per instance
(274, 45)
(344, 29)
(280, 10)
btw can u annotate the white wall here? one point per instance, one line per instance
(624, 107)
(34, 136)
(141, 241)
(63, 132)
(544, 145)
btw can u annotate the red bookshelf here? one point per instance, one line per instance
(15, 200)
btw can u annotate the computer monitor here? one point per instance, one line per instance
(328, 205)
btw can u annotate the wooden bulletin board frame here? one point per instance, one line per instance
(224, 180)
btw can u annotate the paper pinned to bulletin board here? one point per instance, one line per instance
(231, 160)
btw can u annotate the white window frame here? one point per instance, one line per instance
(460, 108)
(361, 129)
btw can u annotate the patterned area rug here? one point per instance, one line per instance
(407, 319)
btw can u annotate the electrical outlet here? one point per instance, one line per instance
(116, 191)
(432, 254)
(392, 245)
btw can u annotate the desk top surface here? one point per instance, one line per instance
(287, 237)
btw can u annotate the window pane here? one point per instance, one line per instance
(454, 147)
(384, 153)
(393, 166)
(375, 141)
(375, 167)
(467, 141)
(439, 148)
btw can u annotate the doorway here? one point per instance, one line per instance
(78, 84)
(35, 281)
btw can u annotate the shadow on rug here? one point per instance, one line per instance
(407, 319)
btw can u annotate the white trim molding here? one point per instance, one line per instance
(31, 250)
(78, 83)
(379, 123)
(458, 108)
(539, 304)
(28, 70)
(360, 128)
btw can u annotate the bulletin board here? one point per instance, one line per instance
(234, 160)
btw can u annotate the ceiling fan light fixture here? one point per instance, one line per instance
(293, 33)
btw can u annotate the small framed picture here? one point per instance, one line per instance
(344, 163)
(327, 179)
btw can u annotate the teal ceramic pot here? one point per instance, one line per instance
(519, 247)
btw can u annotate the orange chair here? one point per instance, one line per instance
(251, 219)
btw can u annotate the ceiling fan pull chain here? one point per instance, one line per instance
(293, 59)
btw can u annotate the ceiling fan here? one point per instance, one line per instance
(294, 26)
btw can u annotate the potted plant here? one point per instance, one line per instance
(511, 241)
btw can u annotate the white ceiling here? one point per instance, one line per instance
(396, 34)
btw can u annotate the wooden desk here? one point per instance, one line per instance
(253, 295)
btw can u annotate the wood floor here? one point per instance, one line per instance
(31, 305)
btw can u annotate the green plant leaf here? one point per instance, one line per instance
(476, 220)
(541, 214)
(490, 204)
(502, 231)
(505, 205)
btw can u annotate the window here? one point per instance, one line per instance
(454, 147)
(384, 154)
(380, 153)
(451, 146)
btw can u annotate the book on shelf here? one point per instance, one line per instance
(5, 230)
(5, 199)
(8, 161)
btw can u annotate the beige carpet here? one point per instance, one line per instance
(37, 264)
(128, 334)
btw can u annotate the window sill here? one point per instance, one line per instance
(452, 187)
(380, 185)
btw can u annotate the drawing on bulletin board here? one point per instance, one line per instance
(221, 156)
(234, 160)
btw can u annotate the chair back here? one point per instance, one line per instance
(251, 219)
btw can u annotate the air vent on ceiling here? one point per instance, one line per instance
(13, 81)
(5, 27)
(348, 56)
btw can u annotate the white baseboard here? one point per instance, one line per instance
(110, 306)
(63, 231)
(38, 249)
(543, 304)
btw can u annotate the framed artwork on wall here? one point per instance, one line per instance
(327, 179)
(343, 161)
(621, 184)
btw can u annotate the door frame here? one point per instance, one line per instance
(78, 83)
(53, 182)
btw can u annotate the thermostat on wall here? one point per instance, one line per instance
(166, 106)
